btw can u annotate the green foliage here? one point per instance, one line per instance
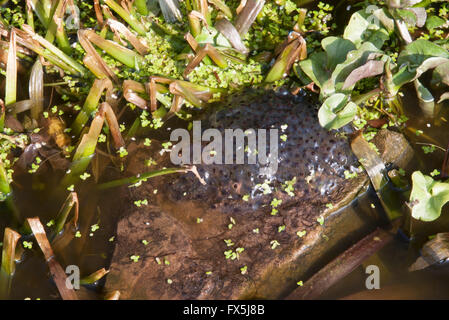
(348, 69)
(13, 14)
(358, 56)
(330, 68)
(336, 50)
(427, 197)
(434, 22)
(336, 111)
(361, 28)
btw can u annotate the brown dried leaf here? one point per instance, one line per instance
(370, 69)
(57, 272)
(228, 30)
(248, 15)
(106, 111)
(131, 90)
(96, 62)
(119, 27)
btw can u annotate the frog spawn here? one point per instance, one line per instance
(311, 159)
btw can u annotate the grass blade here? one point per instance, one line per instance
(36, 90)
(131, 90)
(86, 148)
(295, 48)
(207, 50)
(90, 105)
(27, 41)
(248, 15)
(230, 32)
(196, 94)
(70, 203)
(221, 5)
(54, 50)
(204, 9)
(57, 14)
(98, 13)
(194, 23)
(8, 266)
(85, 151)
(111, 120)
(125, 15)
(6, 192)
(141, 6)
(61, 35)
(122, 54)
(56, 270)
(139, 178)
(37, 7)
(11, 71)
(47, 6)
(3, 114)
(60, 240)
(128, 35)
(5, 188)
(170, 10)
(93, 60)
(20, 106)
(29, 12)
(94, 277)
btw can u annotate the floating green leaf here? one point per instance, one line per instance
(440, 75)
(444, 97)
(361, 23)
(336, 111)
(378, 37)
(427, 197)
(425, 99)
(434, 22)
(355, 59)
(370, 69)
(336, 49)
(315, 68)
(418, 51)
(407, 15)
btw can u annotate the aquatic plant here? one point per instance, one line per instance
(363, 52)
(118, 70)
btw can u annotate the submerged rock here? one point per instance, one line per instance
(233, 237)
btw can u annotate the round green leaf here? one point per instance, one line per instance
(427, 197)
(336, 112)
(336, 49)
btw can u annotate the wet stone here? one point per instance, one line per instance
(211, 242)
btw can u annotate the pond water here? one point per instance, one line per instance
(396, 257)
(93, 250)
